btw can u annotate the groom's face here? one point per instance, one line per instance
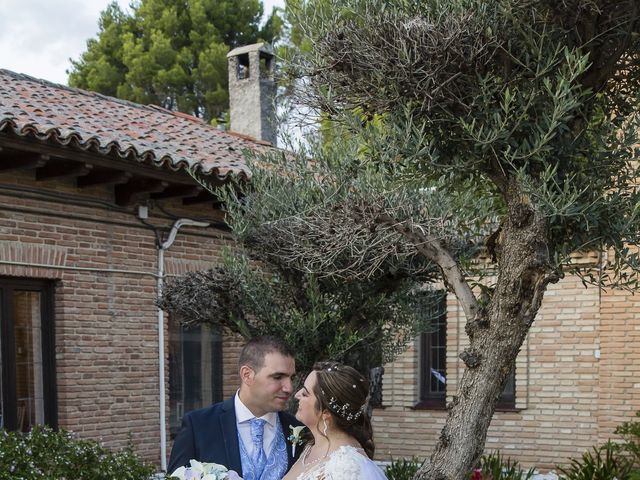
(269, 388)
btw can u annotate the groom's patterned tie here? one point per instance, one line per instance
(257, 434)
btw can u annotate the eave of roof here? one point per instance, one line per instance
(47, 112)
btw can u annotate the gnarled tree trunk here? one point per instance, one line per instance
(496, 332)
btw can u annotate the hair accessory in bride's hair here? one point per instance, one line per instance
(343, 410)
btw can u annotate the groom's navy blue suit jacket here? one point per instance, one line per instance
(211, 435)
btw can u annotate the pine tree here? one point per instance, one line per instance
(169, 53)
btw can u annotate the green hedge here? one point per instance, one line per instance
(45, 454)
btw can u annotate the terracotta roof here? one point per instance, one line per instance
(93, 122)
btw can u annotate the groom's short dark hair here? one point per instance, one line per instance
(257, 348)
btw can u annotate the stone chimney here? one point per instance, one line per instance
(252, 91)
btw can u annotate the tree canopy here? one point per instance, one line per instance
(365, 323)
(171, 54)
(527, 98)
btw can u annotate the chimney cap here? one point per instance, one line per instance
(262, 47)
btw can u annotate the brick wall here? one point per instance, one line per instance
(106, 335)
(106, 323)
(619, 381)
(230, 356)
(567, 399)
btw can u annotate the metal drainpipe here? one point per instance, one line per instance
(182, 222)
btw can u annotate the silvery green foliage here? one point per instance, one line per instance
(333, 271)
(324, 262)
(442, 122)
(364, 324)
(468, 100)
(340, 208)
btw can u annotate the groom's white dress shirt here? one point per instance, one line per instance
(244, 416)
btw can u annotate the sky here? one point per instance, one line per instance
(37, 37)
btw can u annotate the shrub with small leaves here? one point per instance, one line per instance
(402, 469)
(630, 433)
(45, 454)
(497, 467)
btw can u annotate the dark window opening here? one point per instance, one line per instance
(507, 400)
(195, 371)
(433, 357)
(266, 66)
(27, 354)
(433, 352)
(243, 66)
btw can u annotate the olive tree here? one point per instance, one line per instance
(491, 143)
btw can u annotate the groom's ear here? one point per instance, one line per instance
(246, 374)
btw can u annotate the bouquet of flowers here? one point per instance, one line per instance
(204, 471)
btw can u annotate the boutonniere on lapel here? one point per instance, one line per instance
(295, 437)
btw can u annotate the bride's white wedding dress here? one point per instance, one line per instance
(346, 463)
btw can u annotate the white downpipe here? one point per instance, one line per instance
(165, 246)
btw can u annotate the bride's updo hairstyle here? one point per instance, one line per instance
(343, 391)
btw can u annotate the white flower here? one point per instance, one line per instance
(197, 467)
(180, 473)
(191, 475)
(215, 472)
(294, 438)
(204, 471)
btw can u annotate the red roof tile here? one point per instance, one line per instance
(90, 121)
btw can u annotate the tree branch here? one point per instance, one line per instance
(431, 249)
(540, 287)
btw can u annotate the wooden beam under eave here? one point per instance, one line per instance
(104, 178)
(178, 191)
(126, 193)
(60, 170)
(203, 197)
(109, 162)
(24, 161)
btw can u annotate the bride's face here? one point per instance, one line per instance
(307, 412)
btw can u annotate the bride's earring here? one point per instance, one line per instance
(325, 428)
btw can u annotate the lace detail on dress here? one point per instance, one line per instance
(343, 464)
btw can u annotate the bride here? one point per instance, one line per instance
(332, 404)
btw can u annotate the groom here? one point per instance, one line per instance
(248, 432)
